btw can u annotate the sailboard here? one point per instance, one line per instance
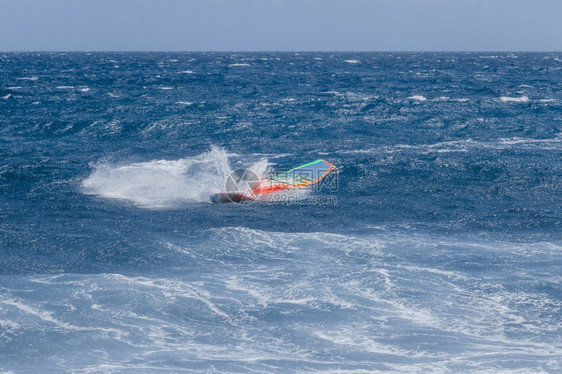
(300, 177)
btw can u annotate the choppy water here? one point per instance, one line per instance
(440, 250)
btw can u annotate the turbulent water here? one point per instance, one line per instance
(437, 246)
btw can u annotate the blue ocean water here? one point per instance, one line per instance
(439, 249)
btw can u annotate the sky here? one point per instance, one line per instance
(280, 25)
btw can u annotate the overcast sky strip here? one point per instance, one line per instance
(280, 25)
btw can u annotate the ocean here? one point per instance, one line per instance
(436, 246)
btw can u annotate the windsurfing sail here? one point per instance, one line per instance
(300, 177)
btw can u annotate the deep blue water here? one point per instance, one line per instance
(439, 250)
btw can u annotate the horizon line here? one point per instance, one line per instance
(277, 51)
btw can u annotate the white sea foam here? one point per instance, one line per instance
(360, 298)
(42, 315)
(417, 98)
(509, 99)
(350, 337)
(447, 98)
(6, 97)
(238, 65)
(352, 61)
(34, 78)
(164, 183)
(187, 72)
(85, 89)
(165, 88)
(65, 87)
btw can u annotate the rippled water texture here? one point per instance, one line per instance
(438, 250)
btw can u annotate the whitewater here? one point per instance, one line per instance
(436, 247)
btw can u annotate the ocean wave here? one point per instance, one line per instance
(375, 275)
(447, 98)
(509, 99)
(33, 78)
(441, 254)
(417, 98)
(358, 297)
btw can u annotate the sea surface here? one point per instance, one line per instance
(435, 248)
